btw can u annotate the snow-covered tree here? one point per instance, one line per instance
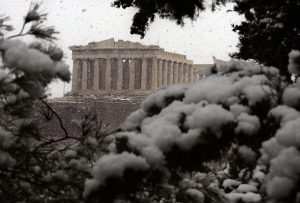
(231, 137)
(34, 166)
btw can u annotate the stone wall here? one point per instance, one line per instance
(109, 110)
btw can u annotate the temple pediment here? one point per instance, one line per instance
(112, 44)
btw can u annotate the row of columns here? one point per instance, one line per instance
(169, 73)
(128, 74)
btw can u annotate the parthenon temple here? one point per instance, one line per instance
(120, 67)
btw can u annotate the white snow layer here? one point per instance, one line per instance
(196, 194)
(209, 105)
(294, 62)
(244, 188)
(18, 55)
(230, 183)
(247, 197)
(247, 124)
(113, 165)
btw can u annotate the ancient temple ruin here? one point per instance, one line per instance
(121, 67)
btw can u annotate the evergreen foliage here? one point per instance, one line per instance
(38, 167)
(171, 9)
(270, 31)
(228, 138)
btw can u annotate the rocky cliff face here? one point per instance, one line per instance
(110, 110)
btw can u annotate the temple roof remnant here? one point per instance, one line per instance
(112, 44)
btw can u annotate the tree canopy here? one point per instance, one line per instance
(270, 30)
(171, 9)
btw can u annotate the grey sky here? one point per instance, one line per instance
(83, 21)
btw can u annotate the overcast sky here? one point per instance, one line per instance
(83, 21)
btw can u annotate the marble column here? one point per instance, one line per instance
(170, 73)
(175, 73)
(84, 75)
(165, 73)
(107, 74)
(131, 74)
(154, 74)
(196, 77)
(144, 74)
(159, 72)
(185, 73)
(79, 74)
(162, 71)
(180, 73)
(74, 75)
(120, 75)
(96, 75)
(190, 73)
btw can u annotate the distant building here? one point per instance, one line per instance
(120, 67)
(202, 70)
